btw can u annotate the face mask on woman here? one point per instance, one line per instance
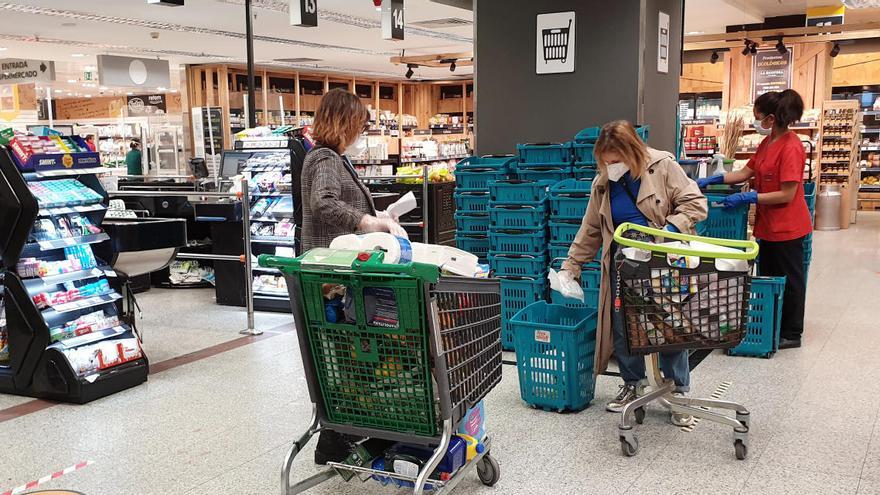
(616, 171)
(357, 147)
(760, 128)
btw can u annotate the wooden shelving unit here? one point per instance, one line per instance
(838, 151)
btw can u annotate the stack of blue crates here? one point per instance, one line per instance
(472, 177)
(568, 204)
(810, 198)
(518, 240)
(584, 165)
(544, 162)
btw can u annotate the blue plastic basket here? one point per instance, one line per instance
(765, 316)
(724, 223)
(476, 244)
(568, 208)
(477, 179)
(563, 232)
(588, 135)
(582, 153)
(501, 163)
(557, 251)
(584, 172)
(471, 202)
(591, 277)
(810, 197)
(555, 351)
(519, 241)
(550, 173)
(517, 191)
(527, 216)
(516, 294)
(518, 265)
(808, 255)
(544, 153)
(571, 187)
(472, 223)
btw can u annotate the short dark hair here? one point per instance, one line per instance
(786, 106)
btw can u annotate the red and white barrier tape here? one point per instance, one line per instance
(47, 478)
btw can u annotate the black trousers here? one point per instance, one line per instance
(786, 259)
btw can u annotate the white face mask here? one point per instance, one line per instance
(616, 171)
(761, 130)
(357, 147)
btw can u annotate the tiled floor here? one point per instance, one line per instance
(222, 425)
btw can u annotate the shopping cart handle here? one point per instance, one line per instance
(426, 272)
(750, 247)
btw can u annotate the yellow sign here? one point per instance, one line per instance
(67, 161)
(10, 105)
(829, 11)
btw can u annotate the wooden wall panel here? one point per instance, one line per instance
(89, 108)
(856, 69)
(702, 78)
(737, 80)
(812, 68)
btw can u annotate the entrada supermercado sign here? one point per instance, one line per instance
(771, 72)
(22, 71)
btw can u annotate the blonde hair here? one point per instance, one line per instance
(340, 118)
(620, 137)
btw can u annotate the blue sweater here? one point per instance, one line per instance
(623, 209)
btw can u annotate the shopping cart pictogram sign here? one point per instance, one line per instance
(556, 43)
(555, 50)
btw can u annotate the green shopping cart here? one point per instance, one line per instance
(393, 352)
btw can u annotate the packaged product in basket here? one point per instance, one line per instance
(474, 422)
(380, 306)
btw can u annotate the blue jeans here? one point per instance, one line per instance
(675, 365)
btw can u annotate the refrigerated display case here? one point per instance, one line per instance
(166, 151)
(68, 338)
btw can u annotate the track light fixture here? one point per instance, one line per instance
(835, 51)
(780, 47)
(747, 47)
(452, 66)
(409, 70)
(714, 58)
(754, 48)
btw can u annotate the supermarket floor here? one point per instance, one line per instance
(220, 421)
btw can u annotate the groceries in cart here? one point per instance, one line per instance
(686, 293)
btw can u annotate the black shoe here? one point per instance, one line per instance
(333, 447)
(785, 343)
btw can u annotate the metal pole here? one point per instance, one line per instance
(252, 98)
(49, 108)
(248, 267)
(425, 201)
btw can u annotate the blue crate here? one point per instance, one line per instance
(550, 173)
(519, 241)
(559, 251)
(516, 294)
(501, 163)
(584, 172)
(810, 197)
(569, 199)
(555, 353)
(476, 244)
(477, 179)
(765, 317)
(582, 153)
(571, 187)
(563, 232)
(591, 277)
(472, 202)
(543, 153)
(522, 216)
(518, 265)
(472, 223)
(589, 135)
(518, 190)
(724, 223)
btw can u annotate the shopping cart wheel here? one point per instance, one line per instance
(488, 470)
(639, 415)
(629, 449)
(742, 450)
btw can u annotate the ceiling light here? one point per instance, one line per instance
(3, 48)
(59, 90)
(174, 91)
(69, 94)
(835, 50)
(71, 81)
(103, 88)
(409, 70)
(747, 47)
(452, 66)
(694, 33)
(129, 93)
(714, 58)
(780, 47)
(89, 67)
(77, 55)
(88, 96)
(160, 88)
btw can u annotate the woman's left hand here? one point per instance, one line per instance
(741, 198)
(386, 214)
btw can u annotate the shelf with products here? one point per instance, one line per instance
(67, 333)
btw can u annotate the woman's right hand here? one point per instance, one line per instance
(709, 181)
(369, 223)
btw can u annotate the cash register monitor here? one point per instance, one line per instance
(232, 163)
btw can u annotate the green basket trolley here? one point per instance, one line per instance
(676, 297)
(403, 360)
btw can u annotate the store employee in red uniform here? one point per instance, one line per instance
(782, 218)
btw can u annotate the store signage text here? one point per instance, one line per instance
(393, 20)
(146, 105)
(304, 13)
(20, 71)
(771, 72)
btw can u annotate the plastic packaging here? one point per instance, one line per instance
(563, 283)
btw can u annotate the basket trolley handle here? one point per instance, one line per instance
(750, 247)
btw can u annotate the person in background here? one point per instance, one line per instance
(335, 202)
(640, 185)
(90, 142)
(782, 218)
(134, 158)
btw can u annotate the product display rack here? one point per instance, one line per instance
(869, 162)
(67, 337)
(838, 152)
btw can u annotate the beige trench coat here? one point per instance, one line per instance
(666, 196)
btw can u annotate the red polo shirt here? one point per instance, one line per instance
(775, 163)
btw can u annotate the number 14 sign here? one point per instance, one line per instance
(392, 20)
(304, 13)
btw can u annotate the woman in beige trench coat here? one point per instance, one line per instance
(640, 185)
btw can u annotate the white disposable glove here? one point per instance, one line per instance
(564, 283)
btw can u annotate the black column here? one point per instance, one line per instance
(252, 98)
